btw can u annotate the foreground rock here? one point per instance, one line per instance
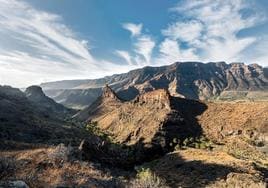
(14, 184)
(52, 167)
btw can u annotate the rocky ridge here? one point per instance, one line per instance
(193, 80)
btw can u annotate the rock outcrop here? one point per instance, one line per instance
(159, 98)
(36, 95)
(147, 124)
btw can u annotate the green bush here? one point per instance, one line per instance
(93, 128)
(199, 143)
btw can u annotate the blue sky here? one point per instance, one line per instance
(74, 39)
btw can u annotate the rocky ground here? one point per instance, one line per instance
(61, 167)
(155, 140)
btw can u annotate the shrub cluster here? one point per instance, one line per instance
(198, 143)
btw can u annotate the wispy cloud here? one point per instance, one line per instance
(125, 55)
(170, 51)
(37, 46)
(210, 29)
(143, 45)
(134, 29)
(184, 31)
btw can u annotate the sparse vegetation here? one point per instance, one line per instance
(145, 178)
(198, 143)
(242, 150)
(93, 128)
(60, 154)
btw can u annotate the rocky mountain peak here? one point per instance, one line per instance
(108, 93)
(47, 105)
(34, 91)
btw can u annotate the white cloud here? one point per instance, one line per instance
(144, 46)
(135, 29)
(184, 31)
(210, 29)
(228, 49)
(36, 46)
(170, 52)
(258, 53)
(125, 55)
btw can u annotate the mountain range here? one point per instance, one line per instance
(192, 80)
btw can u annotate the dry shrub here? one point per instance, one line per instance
(147, 179)
(60, 154)
(7, 166)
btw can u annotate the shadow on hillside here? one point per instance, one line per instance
(189, 110)
(176, 172)
(180, 124)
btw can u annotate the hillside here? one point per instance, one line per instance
(147, 119)
(193, 80)
(32, 117)
(155, 119)
(154, 140)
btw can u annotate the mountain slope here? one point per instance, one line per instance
(152, 121)
(44, 103)
(27, 117)
(193, 80)
(153, 118)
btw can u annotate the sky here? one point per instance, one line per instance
(49, 40)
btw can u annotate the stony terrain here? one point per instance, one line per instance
(193, 80)
(249, 119)
(153, 140)
(201, 168)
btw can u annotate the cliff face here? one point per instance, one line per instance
(159, 98)
(193, 80)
